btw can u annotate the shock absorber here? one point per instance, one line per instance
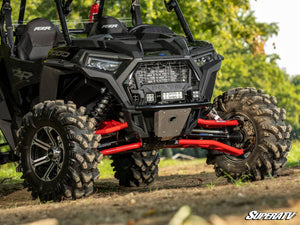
(102, 108)
(212, 114)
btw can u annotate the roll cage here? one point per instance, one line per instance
(64, 8)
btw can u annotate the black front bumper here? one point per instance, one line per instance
(140, 119)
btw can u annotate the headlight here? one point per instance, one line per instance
(103, 64)
(204, 59)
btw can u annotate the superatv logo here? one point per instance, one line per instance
(42, 28)
(254, 215)
(110, 26)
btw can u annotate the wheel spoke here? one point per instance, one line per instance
(41, 144)
(59, 166)
(40, 161)
(60, 143)
(49, 170)
(48, 132)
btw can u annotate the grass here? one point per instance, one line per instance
(238, 182)
(106, 171)
(294, 155)
(8, 174)
(170, 162)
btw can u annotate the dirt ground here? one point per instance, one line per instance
(215, 200)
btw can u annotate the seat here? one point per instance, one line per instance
(108, 25)
(36, 38)
(150, 29)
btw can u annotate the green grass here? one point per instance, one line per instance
(294, 155)
(238, 182)
(106, 171)
(171, 162)
(8, 174)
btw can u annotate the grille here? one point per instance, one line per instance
(162, 72)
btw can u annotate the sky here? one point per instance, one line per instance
(286, 13)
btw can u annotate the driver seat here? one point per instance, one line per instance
(36, 38)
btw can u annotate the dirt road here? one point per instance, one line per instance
(213, 199)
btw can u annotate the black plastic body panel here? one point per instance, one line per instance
(25, 83)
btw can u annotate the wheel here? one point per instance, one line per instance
(265, 135)
(58, 151)
(136, 169)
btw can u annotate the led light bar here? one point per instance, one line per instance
(177, 95)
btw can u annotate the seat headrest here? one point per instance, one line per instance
(108, 25)
(36, 38)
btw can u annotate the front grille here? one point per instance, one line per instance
(162, 72)
(163, 82)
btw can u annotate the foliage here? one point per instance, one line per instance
(294, 155)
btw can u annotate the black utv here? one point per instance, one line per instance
(138, 88)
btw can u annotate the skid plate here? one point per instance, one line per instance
(169, 123)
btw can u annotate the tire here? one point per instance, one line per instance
(266, 136)
(136, 169)
(58, 151)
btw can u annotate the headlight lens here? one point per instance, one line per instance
(103, 64)
(204, 59)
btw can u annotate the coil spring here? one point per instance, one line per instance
(102, 107)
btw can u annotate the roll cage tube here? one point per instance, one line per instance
(136, 13)
(8, 36)
(101, 8)
(173, 4)
(22, 12)
(63, 22)
(67, 6)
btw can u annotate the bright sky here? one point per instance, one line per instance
(286, 13)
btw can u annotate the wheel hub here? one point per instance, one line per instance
(248, 131)
(54, 154)
(47, 153)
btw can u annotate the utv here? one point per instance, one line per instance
(141, 88)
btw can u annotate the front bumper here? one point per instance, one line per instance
(148, 121)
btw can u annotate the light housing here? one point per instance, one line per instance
(196, 94)
(150, 97)
(103, 64)
(201, 60)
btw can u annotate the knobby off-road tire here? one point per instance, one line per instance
(58, 151)
(136, 169)
(266, 136)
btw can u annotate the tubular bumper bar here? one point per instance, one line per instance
(216, 123)
(122, 148)
(211, 144)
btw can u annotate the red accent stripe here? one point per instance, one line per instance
(216, 124)
(211, 144)
(113, 129)
(122, 148)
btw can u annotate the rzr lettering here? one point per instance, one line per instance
(42, 28)
(110, 26)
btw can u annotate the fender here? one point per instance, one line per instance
(52, 71)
